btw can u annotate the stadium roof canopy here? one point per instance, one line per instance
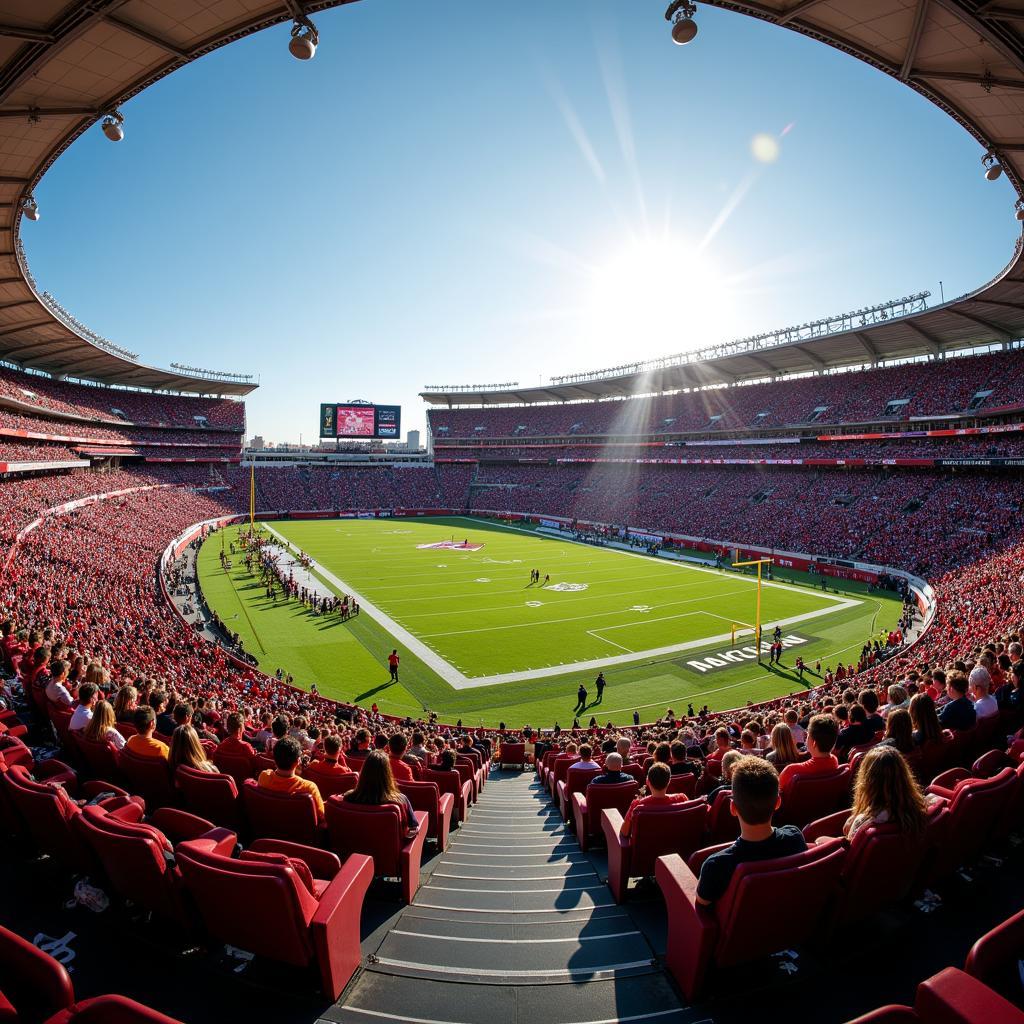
(967, 57)
(63, 65)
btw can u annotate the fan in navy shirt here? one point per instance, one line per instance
(755, 798)
(959, 713)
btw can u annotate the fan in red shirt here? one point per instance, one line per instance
(400, 768)
(659, 776)
(822, 733)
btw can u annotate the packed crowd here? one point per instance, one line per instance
(115, 404)
(113, 434)
(932, 388)
(965, 447)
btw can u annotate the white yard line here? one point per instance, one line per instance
(597, 636)
(459, 681)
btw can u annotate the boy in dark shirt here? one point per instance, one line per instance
(755, 798)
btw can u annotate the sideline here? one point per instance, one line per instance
(459, 681)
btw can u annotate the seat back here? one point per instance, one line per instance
(136, 857)
(48, 813)
(600, 797)
(577, 781)
(60, 716)
(672, 828)
(512, 753)
(809, 797)
(272, 815)
(374, 830)
(446, 782)
(260, 906)
(756, 913)
(425, 796)
(211, 795)
(723, 825)
(150, 777)
(993, 959)
(238, 766)
(686, 784)
(975, 811)
(32, 980)
(330, 783)
(560, 767)
(100, 756)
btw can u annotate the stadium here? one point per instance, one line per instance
(686, 689)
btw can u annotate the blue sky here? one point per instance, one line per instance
(457, 193)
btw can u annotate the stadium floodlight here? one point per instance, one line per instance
(993, 168)
(684, 28)
(30, 208)
(113, 125)
(304, 40)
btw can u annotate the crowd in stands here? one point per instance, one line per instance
(34, 451)
(929, 388)
(119, 405)
(194, 435)
(1003, 446)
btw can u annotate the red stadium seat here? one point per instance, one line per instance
(427, 797)
(211, 795)
(150, 777)
(280, 900)
(677, 828)
(559, 770)
(451, 782)
(32, 983)
(378, 832)
(49, 815)
(289, 816)
(587, 807)
(512, 754)
(110, 1010)
(100, 757)
(732, 930)
(806, 798)
(575, 781)
(975, 810)
(137, 856)
(330, 783)
(238, 766)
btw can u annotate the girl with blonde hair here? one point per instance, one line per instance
(101, 727)
(187, 750)
(783, 749)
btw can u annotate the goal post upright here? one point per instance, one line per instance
(759, 562)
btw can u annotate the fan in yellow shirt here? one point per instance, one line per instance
(285, 778)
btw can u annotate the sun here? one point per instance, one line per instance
(657, 297)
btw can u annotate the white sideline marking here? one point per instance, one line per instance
(434, 1020)
(459, 681)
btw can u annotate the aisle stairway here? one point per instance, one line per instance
(513, 927)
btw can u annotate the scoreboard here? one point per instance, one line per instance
(360, 420)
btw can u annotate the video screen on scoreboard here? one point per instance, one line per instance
(360, 421)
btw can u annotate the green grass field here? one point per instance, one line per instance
(479, 642)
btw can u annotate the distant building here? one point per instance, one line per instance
(412, 441)
(257, 442)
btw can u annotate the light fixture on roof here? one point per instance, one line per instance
(1019, 210)
(304, 40)
(993, 168)
(30, 208)
(113, 125)
(684, 28)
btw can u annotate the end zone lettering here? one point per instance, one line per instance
(732, 656)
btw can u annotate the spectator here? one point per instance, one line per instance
(233, 744)
(613, 772)
(284, 778)
(783, 749)
(186, 749)
(401, 769)
(101, 727)
(886, 791)
(586, 760)
(985, 704)
(822, 733)
(88, 695)
(755, 798)
(679, 763)
(925, 721)
(959, 714)
(333, 761)
(143, 743)
(868, 700)
(56, 690)
(125, 703)
(658, 778)
(899, 730)
(376, 787)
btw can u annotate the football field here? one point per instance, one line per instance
(476, 636)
